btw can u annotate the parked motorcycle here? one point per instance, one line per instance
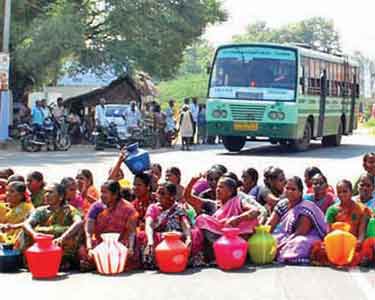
(52, 135)
(108, 137)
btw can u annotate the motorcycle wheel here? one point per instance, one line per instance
(28, 145)
(63, 142)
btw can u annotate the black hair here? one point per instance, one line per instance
(170, 187)
(323, 177)
(347, 183)
(233, 176)
(298, 182)
(186, 100)
(60, 190)
(19, 187)
(38, 176)
(368, 155)
(16, 177)
(231, 183)
(6, 173)
(252, 173)
(368, 176)
(87, 174)
(114, 187)
(127, 194)
(146, 178)
(158, 166)
(310, 172)
(175, 171)
(223, 169)
(271, 173)
(67, 181)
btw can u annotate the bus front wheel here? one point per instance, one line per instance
(303, 144)
(234, 143)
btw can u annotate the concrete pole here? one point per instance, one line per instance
(6, 29)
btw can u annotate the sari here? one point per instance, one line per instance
(15, 215)
(293, 248)
(231, 208)
(93, 193)
(47, 221)
(163, 221)
(324, 203)
(121, 219)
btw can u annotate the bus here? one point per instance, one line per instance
(285, 94)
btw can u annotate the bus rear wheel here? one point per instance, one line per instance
(303, 144)
(234, 143)
(333, 140)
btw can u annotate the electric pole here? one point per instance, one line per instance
(6, 28)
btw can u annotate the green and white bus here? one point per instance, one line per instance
(284, 94)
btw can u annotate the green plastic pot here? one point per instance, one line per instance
(262, 246)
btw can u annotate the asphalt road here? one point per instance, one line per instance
(268, 282)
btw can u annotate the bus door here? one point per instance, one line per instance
(352, 102)
(322, 103)
(346, 94)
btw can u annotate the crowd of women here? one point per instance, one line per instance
(300, 214)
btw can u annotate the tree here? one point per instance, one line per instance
(97, 35)
(196, 58)
(317, 32)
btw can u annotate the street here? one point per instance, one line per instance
(266, 282)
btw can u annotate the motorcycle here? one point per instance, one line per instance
(51, 134)
(108, 137)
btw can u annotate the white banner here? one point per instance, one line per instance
(4, 71)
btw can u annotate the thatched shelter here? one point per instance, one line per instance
(120, 91)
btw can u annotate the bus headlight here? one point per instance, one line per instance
(216, 113)
(224, 114)
(273, 115)
(276, 115)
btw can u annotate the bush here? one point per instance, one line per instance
(186, 86)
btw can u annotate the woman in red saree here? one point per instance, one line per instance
(112, 215)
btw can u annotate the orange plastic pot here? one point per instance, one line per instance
(172, 254)
(340, 244)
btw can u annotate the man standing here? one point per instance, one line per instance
(194, 109)
(37, 115)
(101, 124)
(59, 111)
(45, 109)
(132, 117)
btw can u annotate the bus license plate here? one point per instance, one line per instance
(246, 126)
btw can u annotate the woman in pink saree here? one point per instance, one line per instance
(230, 211)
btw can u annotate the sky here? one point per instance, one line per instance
(354, 20)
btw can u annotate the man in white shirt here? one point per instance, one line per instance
(194, 109)
(101, 123)
(132, 116)
(59, 110)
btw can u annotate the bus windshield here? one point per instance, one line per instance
(254, 73)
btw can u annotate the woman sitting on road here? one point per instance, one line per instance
(112, 215)
(229, 211)
(366, 191)
(164, 216)
(71, 192)
(35, 185)
(13, 213)
(88, 192)
(348, 211)
(59, 219)
(321, 195)
(296, 224)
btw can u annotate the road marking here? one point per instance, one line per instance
(363, 283)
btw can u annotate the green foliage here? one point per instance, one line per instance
(122, 34)
(196, 58)
(370, 123)
(193, 85)
(317, 32)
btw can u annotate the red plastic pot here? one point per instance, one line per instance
(172, 254)
(230, 250)
(44, 258)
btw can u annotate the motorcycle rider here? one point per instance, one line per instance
(59, 110)
(45, 109)
(101, 124)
